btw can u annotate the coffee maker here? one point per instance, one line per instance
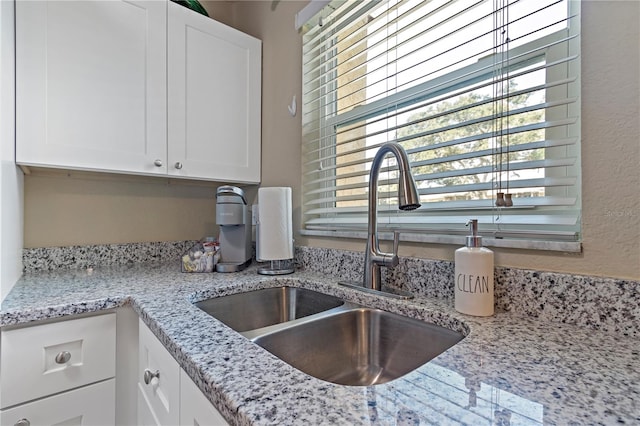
(233, 215)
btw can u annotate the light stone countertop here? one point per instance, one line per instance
(522, 371)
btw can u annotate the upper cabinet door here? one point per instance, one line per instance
(91, 85)
(214, 83)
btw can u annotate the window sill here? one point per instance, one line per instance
(560, 246)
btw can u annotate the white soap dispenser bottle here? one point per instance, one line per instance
(474, 276)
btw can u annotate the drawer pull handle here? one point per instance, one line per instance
(158, 163)
(22, 422)
(150, 375)
(63, 357)
(178, 165)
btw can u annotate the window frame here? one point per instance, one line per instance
(551, 46)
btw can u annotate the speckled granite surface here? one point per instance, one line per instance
(82, 257)
(608, 304)
(509, 369)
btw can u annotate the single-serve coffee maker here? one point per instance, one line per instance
(233, 215)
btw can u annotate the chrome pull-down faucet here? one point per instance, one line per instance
(408, 199)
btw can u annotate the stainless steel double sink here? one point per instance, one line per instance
(330, 339)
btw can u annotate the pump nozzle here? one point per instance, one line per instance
(474, 240)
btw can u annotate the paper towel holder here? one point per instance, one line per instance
(278, 267)
(274, 231)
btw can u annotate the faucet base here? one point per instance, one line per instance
(386, 291)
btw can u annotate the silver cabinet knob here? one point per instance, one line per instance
(63, 357)
(150, 375)
(22, 422)
(178, 165)
(157, 163)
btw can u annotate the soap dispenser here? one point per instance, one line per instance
(474, 276)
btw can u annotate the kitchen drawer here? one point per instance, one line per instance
(90, 405)
(162, 392)
(50, 358)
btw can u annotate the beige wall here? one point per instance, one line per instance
(272, 22)
(610, 136)
(610, 153)
(220, 10)
(76, 208)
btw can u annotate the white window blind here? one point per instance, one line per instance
(482, 94)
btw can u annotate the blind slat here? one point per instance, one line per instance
(467, 155)
(448, 86)
(465, 205)
(331, 85)
(558, 220)
(563, 162)
(449, 143)
(483, 99)
(483, 186)
(462, 9)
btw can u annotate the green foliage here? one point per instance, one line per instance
(193, 5)
(468, 107)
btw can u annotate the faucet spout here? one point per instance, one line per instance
(408, 199)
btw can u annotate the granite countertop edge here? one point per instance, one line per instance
(552, 373)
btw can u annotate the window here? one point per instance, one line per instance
(483, 96)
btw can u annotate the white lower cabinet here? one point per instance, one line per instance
(158, 382)
(67, 373)
(90, 405)
(166, 395)
(195, 408)
(146, 416)
(59, 373)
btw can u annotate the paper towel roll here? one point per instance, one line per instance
(274, 238)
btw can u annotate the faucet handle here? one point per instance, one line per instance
(396, 242)
(391, 259)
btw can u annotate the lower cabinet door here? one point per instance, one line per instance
(158, 379)
(90, 405)
(146, 416)
(195, 408)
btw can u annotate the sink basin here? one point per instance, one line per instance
(327, 338)
(269, 306)
(360, 346)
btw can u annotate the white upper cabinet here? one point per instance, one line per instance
(91, 85)
(214, 99)
(141, 87)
